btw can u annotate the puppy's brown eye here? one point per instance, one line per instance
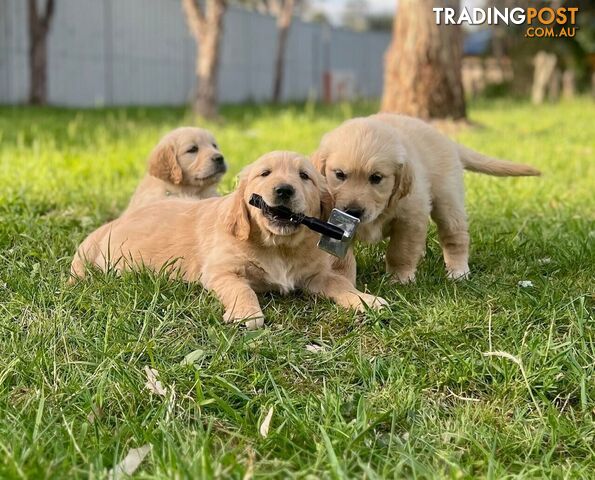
(340, 175)
(266, 173)
(215, 146)
(304, 176)
(192, 149)
(376, 178)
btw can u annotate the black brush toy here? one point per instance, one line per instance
(336, 234)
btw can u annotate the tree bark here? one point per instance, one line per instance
(284, 18)
(422, 74)
(545, 65)
(206, 28)
(39, 26)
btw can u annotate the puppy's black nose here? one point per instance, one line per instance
(284, 191)
(356, 212)
(218, 159)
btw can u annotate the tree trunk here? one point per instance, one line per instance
(206, 98)
(283, 23)
(39, 26)
(422, 74)
(545, 64)
(207, 72)
(38, 68)
(206, 29)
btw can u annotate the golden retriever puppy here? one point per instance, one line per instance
(230, 247)
(185, 163)
(393, 172)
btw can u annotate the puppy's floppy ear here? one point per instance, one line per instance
(318, 158)
(237, 219)
(163, 163)
(327, 202)
(403, 177)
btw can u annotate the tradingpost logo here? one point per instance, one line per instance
(541, 22)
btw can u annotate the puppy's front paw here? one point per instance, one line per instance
(252, 319)
(255, 323)
(404, 277)
(458, 273)
(370, 301)
(360, 301)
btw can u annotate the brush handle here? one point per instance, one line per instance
(324, 228)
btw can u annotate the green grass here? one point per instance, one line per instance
(408, 392)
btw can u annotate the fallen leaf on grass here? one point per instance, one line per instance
(266, 423)
(312, 348)
(130, 463)
(193, 357)
(153, 384)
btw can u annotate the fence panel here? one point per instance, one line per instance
(121, 52)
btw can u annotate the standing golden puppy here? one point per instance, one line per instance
(185, 163)
(393, 172)
(230, 247)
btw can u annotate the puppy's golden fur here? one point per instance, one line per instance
(231, 247)
(395, 171)
(185, 163)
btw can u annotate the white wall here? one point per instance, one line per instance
(139, 52)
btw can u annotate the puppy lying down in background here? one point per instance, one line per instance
(230, 247)
(185, 163)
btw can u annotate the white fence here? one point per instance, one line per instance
(139, 52)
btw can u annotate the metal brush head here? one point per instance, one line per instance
(345, 222)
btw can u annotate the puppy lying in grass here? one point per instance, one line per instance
(230, 247)
(185, 163)
(393, 172)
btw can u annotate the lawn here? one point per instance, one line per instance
(481, 378)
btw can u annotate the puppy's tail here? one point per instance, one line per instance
(478, 162)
